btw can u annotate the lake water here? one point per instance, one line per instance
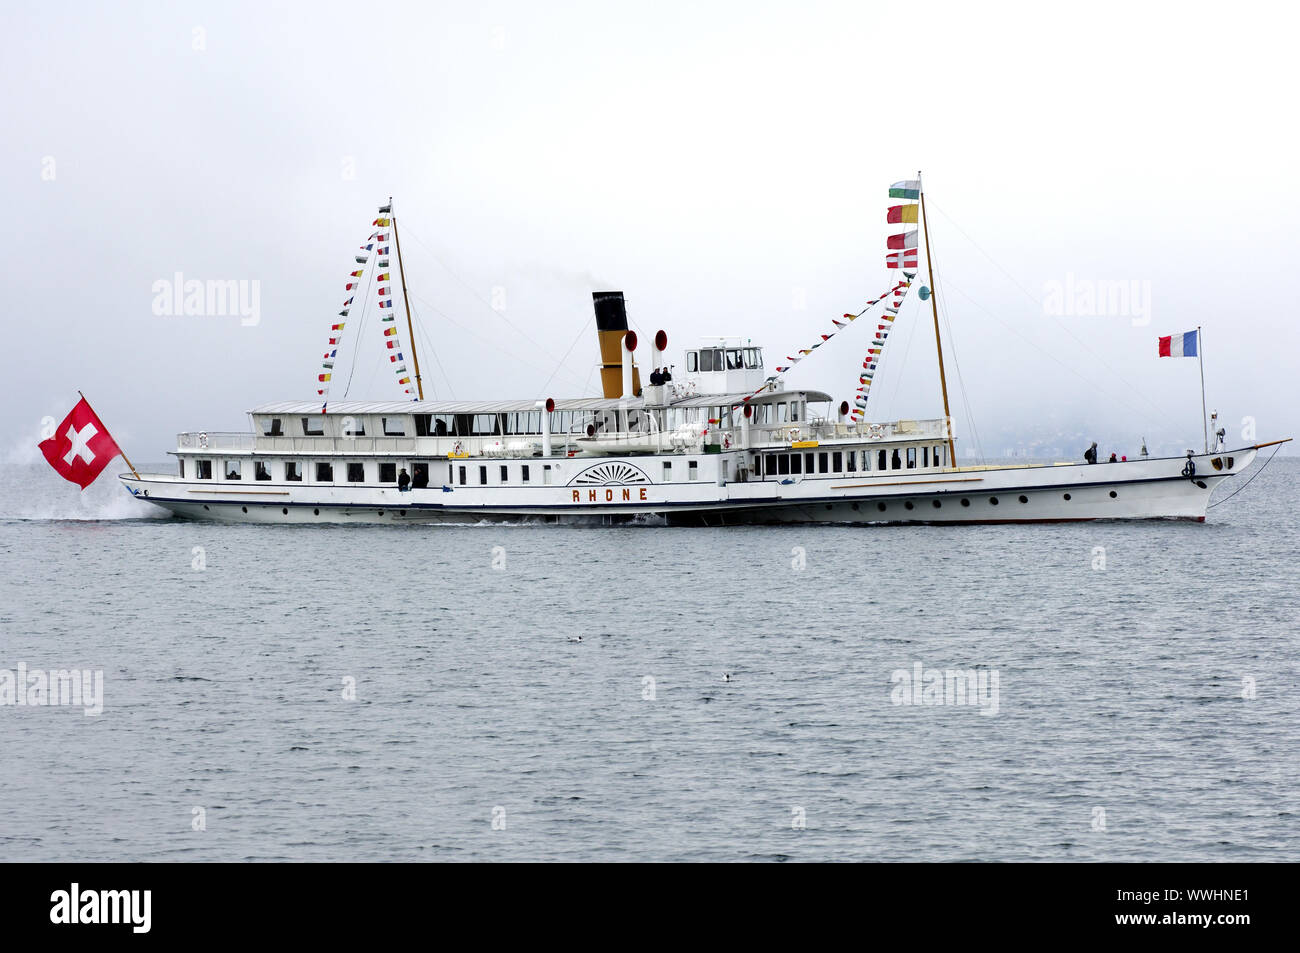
(1146, 710)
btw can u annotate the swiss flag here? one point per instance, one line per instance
(81, 446)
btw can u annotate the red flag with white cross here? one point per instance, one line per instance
(81, 446)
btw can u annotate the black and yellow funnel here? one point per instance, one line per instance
(611, 326)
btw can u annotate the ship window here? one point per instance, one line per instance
(734, 362)
(485, 425)
(356, 473)
(794, 410)
(880, 460)
(203, 469)
(911, 458)
(523, 473)
(234, 470)
(293, 471)
(505, 475)
(423, 425)
(693, 470)
(823, 463)
(313, 426)
(692, 361)
(751, 357)
(181, 461)
(482, 476)
(354, 427)
(925, 456)
(668, 471)
(271, 427)
(810, 463)
(781, 411)
(783, 464)
(837, 462)
(706, 361)
(852, 458)
(461, 474)
(388, 473)
(796, 463)
(717, 359)
(394, 426)
(937, 458)
(896, 462)
(324, 472)
(261, 471)
(546, 474)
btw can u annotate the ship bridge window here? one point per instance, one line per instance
(394, 426)
(234, 470)
(782, 410)
(261, 471)
(313, 426)
(388, 473)
(794, 410)
(424, 425)
(752, 360)
(734, 362)
(293, 471)
(485, 425)
(272, 427)
(203, 469)
(692, 361)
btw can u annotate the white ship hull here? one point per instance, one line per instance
(1140, 489)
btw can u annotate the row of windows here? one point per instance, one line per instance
(421, 472)
(723, 359)
(851, 461)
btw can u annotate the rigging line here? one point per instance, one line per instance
(961, 381)
(1248, 482)
(472, 334)
(1163, 412)
(430, 349)
(470, 288)
(356, 349)
(567, 353)
(1096, 387)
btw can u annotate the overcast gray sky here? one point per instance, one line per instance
(723, 164)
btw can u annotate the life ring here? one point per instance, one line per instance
(875, 432)
(203, 440)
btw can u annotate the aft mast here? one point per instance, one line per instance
(938, 343)
(415, 357)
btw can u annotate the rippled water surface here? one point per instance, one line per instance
(1121, 732)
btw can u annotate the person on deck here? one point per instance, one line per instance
(403, 481)
(667, 375)
(1113, 459)
(1090, 455)
(656, 378)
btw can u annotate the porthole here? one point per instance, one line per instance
(205, 506)
(828, 506)
(285, 511)
(936, 503)
(1201, 484)
(1067, 496)
(965, 502)
(316, 512)
(881, 507)
(908, 504)
(401, 512)
(993, 501)
(855, 506)
(244, 508)
(1023, 498)
(1113, 494)
(381, 512)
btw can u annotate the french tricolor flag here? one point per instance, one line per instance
(1179, 345)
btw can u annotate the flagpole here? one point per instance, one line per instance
(410, 330)
(1200, 357)
(119, 449)
(934, 303)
